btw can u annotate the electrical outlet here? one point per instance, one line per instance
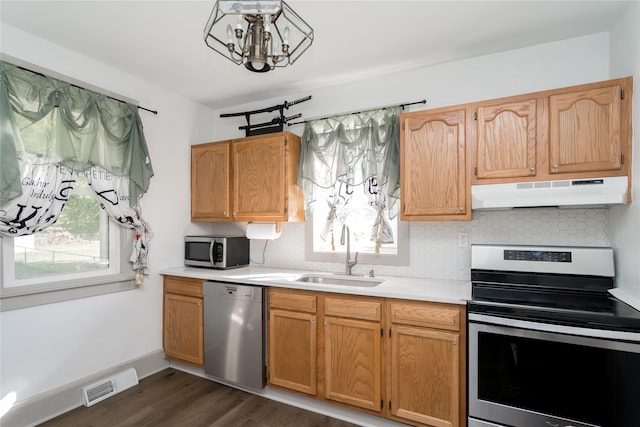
(463, 240)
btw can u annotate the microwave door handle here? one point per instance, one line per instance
(212, 249)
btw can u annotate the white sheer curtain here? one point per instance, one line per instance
(345, 152)
(50, 131)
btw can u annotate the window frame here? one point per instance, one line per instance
(17, 297)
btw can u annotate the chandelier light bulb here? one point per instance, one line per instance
(230, 35)
(285, 36)
(266, 19)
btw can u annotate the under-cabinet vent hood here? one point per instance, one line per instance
(572, 193)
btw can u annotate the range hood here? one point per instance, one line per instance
(562, 193)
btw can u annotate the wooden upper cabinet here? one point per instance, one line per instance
(433, 165)
(259, 181)
(505, 139)
(248, 179)
(585, 130)
(211, 181)
(577, 132)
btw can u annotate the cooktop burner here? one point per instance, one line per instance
(567, 286)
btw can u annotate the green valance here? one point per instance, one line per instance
(67, 125)
(352, 149)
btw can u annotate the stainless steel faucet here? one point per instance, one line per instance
(349, 263)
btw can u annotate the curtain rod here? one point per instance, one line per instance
(424, 101)
(80, 87)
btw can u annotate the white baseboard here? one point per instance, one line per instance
(52, 403)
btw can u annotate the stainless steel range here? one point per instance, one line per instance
(548, 344)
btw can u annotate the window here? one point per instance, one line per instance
(350, 176)
(323, 238)
(80, 255)
(57, 265)
(75, 163)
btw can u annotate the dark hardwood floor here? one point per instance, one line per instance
(175, 398)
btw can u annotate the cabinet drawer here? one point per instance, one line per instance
(441, 316)
(353, 308)
(292, 301)
(183, 286)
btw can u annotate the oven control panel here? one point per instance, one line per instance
(583, 261)
(527, 255)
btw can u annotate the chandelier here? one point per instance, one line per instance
(261, 35)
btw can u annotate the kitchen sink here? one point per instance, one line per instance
(328, 279)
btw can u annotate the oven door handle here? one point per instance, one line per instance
(633, 337)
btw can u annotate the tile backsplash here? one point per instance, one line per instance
(434, 251)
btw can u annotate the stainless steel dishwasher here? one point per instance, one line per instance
(234, 349)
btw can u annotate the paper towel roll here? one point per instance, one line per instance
(262, 231)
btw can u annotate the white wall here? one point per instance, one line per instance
(46, 347)
(49, 346)
(433, 246)
(547, 66)
(625, 221)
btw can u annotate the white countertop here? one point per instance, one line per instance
(420, 289)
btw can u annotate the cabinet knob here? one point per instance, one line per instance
(461, 208)
(555, 166)
(532, 168)
(326, 322)
(454, 342)
(312, 321)
(233, 213)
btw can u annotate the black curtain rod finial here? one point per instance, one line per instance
(154, 112)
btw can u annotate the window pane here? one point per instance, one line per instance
(358, 215)
(77, 242)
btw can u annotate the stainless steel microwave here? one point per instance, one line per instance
(216, 251)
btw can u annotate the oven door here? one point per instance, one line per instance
(527, 374)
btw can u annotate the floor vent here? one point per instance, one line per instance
(101, 390)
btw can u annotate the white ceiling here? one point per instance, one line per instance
(161, 41)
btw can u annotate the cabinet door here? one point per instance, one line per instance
(210, 182)
(432, 165)
(292, 350)
(424, 375)
(584, 130)
(353, 362)
(506, 140)
(259, 181)
(183, 337)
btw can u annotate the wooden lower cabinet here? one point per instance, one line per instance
(399, 359)
(424, 375)
(353, 362)
(183, 320)
(292, 350)
(427, 363)
(292, 341)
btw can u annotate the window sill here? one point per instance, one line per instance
(17, 300)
